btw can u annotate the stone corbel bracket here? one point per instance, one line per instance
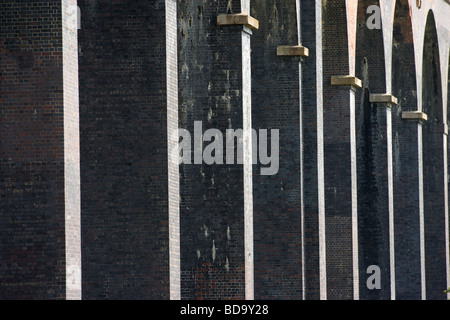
(238, 19)
(414, 115)
(383, 98)
(294, 51)
(346, 81)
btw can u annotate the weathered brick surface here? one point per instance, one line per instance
(313, 205)
(405, 160)
(124, 165)
(433, 166)
(350, 170)
(212, 196)
(372, 155)
(339, 144)
(276, 105)
(38, 217)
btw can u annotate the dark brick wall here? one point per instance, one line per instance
(276, 105)
(32, 155)
(372, 155)
(134, 243)
(124, 173)
(312, 144)
(337, 119)
(405, 160)
(212, 196)
(433, 166)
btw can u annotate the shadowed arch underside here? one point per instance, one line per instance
(433, 165)
(372, 131)
(405, 143)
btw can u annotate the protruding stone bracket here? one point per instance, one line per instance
(298, 51)
(383, 98)
(414, 115)
(346, 81)
(238, 19)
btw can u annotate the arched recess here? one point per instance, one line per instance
(372, 151)
(433, 165)
(405, 158)
(340, 85)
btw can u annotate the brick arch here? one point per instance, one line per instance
(405, 145)
(433, 164)
(448, 89)
(370, 49)
(372, 157)
(404, 67)
(431, 74)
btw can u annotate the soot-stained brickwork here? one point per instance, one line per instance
(277, 105)
(95, 205)
(372, 156)
(406, 164)
(212, 196)
(124, 167)
(39, 255)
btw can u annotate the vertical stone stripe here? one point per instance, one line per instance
(71, 151)
(447, 253)
(248, 168)
(302, 190)
(351, 6)
(299, 26)
(248, 157)
(245, 6)
(390, 199)
(320, 153)
(302, 207)
(421, 214)
(172, 143)
(354, 198)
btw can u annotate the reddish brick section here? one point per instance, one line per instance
(37, 101)
(338, 131)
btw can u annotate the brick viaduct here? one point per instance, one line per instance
(91, 207)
